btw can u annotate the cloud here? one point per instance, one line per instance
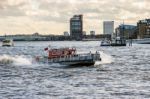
(57, 12)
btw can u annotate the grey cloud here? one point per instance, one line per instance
(3, 3)
(103, 9)
(109, 9)
(10, 10)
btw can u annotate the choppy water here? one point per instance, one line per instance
(124, 73)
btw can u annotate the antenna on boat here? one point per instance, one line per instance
(47, 48)
(5, 35)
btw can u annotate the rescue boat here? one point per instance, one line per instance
(69, 57)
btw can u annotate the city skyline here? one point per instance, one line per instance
(52, 16)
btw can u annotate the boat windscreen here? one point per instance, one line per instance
(6, 41)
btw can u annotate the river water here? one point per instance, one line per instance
(123, 73)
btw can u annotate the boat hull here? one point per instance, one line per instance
(7, 45)
(79, 63)
(118, 44)
(105, 45)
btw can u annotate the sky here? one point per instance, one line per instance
(52, 16)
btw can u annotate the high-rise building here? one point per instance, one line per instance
(76, 27)
(108, 27)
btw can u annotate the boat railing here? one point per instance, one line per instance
(77, 57)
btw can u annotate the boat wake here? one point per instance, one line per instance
(23, 60)
(106, 59)
(18, 60)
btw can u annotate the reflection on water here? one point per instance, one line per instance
(124, 72)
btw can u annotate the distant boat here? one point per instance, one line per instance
(118, 42)
(7, 42)
(105, 42)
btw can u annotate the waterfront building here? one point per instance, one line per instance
(84, 33)
(35, 34)
(143, 28)
(66, 33)
(126, 31)
(92, 33)
(76, 27)
(108, 27)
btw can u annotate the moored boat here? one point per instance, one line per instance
(69, 56)
(118, 42)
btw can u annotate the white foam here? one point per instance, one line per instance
(106, 59)
(18, 60)
(22, 60)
